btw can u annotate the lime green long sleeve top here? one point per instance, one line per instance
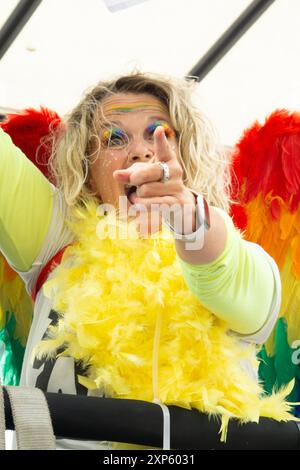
(241, 286)
(26, 202)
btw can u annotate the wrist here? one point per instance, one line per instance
(195, 221)
(190, 215)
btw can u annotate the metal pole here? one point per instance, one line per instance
(229, 38)
(15, 22)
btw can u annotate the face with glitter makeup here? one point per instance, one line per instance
(127, 138)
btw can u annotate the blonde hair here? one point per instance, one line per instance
(205, 165)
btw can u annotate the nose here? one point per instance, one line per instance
(140, 152)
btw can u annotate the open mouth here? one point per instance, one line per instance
(130, 190)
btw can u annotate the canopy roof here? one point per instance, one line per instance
(68, 45)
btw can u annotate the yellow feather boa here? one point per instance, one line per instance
(126, 312)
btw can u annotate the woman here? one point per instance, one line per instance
(116, 316)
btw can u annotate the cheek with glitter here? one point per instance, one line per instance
(111, 160)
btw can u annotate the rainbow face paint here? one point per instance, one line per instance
(117, 138)
(139, 107)
(169, 132)
(131, 119)
(114, 137)
(118, 105)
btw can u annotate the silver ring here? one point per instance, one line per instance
(166, 172)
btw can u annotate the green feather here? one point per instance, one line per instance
(279, 369)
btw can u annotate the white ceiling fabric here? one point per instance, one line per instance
(69, 45)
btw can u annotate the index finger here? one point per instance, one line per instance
(163, 151)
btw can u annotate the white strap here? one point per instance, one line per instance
(2, 421)
(166, 427)
(31, 418)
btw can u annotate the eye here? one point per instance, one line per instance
(169, 132)
(114, 138)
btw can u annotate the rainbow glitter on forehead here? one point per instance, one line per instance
(123, 106)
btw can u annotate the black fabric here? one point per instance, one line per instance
(138, 422)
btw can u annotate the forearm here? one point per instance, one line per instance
(237, 286)
(26, 201)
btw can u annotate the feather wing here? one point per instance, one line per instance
(266, 187)
(28, 130)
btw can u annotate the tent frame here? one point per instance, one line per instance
(26, 8)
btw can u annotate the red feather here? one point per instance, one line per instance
(268, 159)
(27, 129)
(239, 216)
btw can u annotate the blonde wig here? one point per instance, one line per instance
(205, 165)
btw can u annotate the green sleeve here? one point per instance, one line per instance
(238, 286)
(26, 201)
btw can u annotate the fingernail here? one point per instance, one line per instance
(163, 133)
